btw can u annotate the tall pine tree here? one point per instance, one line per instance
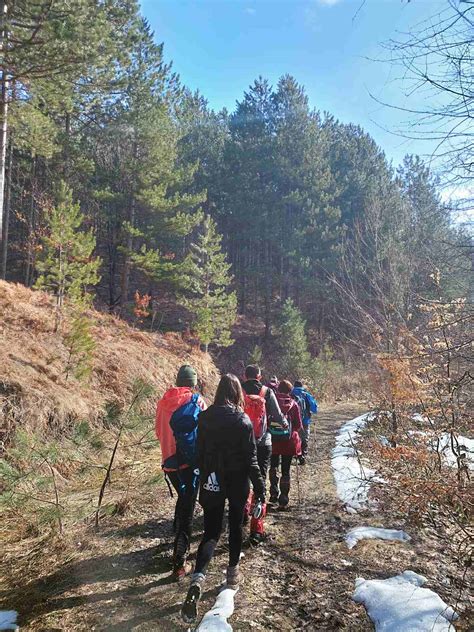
(213, 306)
(67, 266)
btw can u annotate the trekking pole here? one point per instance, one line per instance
(298, 481)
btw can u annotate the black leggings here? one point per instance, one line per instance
(213, 516)
(184, 510)
(285, 463)
(264, 453)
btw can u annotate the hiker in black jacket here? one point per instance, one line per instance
(227, 458)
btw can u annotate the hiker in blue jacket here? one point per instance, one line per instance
(308, 406)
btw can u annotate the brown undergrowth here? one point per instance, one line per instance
(35, 390)
(58, 432)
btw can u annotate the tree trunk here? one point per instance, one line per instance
(126, 264)
(129, 243)
(31, 222)
(6, 210)
(268, 290)
(3, 111)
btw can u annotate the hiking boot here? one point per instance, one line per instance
(181, 570)
(256, 538)
(189, 610)
(233, 577)
(302, 459)
(273, 499)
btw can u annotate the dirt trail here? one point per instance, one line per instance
(302, 578)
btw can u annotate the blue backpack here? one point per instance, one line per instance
(184, 424)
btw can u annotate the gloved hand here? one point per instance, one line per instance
(258, 508)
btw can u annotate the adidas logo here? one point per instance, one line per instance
(212, 484)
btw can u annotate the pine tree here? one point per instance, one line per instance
(213, 305)
(80, 345)
(67, 266)
(47, 48)
(295, 359)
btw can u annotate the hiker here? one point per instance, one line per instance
(176, 429)
(260, 405)
(308, 406)
(227, 457)
(273, 383)
(285, 445)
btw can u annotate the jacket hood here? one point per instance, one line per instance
(252, 387)
(175, 397)
(285, 401)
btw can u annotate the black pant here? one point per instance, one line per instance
(285, 463)
(182, 481)
(264, 454)
(237, 493)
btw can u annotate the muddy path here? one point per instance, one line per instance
(118, 579)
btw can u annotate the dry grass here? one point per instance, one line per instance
(34, 389)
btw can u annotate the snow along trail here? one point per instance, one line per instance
(399, 604)
(353, 479)
(215, 620)
(8, 620)
(375, 533)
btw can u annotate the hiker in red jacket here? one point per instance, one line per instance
(285, 449)
(180, 474)
(260, 405)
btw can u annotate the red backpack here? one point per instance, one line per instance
(255, 409)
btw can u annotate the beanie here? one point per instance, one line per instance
(187, 376)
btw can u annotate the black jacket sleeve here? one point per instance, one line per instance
(249, 448)
(201, 442)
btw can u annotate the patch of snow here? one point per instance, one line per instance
(352, 478)
(466, 447)
(416, 433)
(399, 604)
(8, 620)
(375, 533)
(419, 418)
(215, 620)
(384, 441)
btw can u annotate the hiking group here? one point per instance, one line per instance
(225, 452)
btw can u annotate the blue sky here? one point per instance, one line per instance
(221, 46)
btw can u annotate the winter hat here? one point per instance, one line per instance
(187, 376)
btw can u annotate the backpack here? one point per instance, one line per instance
(184, 424)
(256, 411)
(303, 405)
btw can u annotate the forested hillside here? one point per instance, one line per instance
(142, 229)
(302, 200)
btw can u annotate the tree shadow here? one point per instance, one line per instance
(38, 597)
(163, 618)
(139, 567)
(151, 529)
